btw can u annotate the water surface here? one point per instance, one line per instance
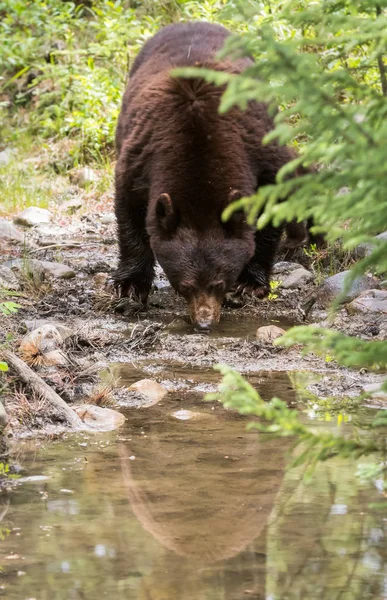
(193, 508)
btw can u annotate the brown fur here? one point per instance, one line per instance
(179, 164)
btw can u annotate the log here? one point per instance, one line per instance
(40, 387)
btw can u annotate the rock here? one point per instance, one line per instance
(98, 418)
(41, 268)
(151, 389)
(369, 302)
(108, 218)
(332, 286)
(33, 215)
(364, 250)
(57, 270)
(6, 156)
(3, 417)
(56, 358)
(63, 330)
(376, 392)
(8, 280)
(185, 415)
(297, 278)
(284, 268)
(8, 232)
(269, 333)
(83, 176)
(46, 338)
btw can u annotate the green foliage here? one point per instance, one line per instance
(9, 308)
(276, 418)
(63, 67)
(274, 285)
(349, 351)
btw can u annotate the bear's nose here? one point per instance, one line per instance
(203, 325)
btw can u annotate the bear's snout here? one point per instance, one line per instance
(204, 310)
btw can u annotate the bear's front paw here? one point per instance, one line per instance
(254, 290)
(127, 288)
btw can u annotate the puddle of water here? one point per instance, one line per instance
(230, 326)
(195, 509)
(176, 376)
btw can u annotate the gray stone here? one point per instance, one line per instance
(3, 417)
(108, 218)
(98, 418)
(33, 215)
(10, 233)
(284, 268)
(334, 285)
(374, 389)
(8, 280)
(269, 333)
(297, 278)
(369, 302)
(363, 250)
(57, 270)
(41, 268)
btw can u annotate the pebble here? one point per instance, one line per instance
(269, 333)
(8, 280)
(284, 267)
(40, 268)
(33, 215)
(151, 389)
(10, 233)
(108, 218)
(297, 278)
(98, 418)
(376, 391)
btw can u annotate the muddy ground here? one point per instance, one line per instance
(114, 342)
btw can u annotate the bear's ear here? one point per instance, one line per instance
(165, 214)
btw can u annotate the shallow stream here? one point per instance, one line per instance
(182, 503)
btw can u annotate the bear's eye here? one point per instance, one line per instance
(186, 288)
(218, 286)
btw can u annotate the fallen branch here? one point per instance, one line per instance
(40, 387)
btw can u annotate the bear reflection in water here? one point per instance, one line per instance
(206, 502)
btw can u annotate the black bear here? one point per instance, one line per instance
(180, 163)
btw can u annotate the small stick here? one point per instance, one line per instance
(65, 245)
(36, 383)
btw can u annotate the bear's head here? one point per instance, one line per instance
(201, 263)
